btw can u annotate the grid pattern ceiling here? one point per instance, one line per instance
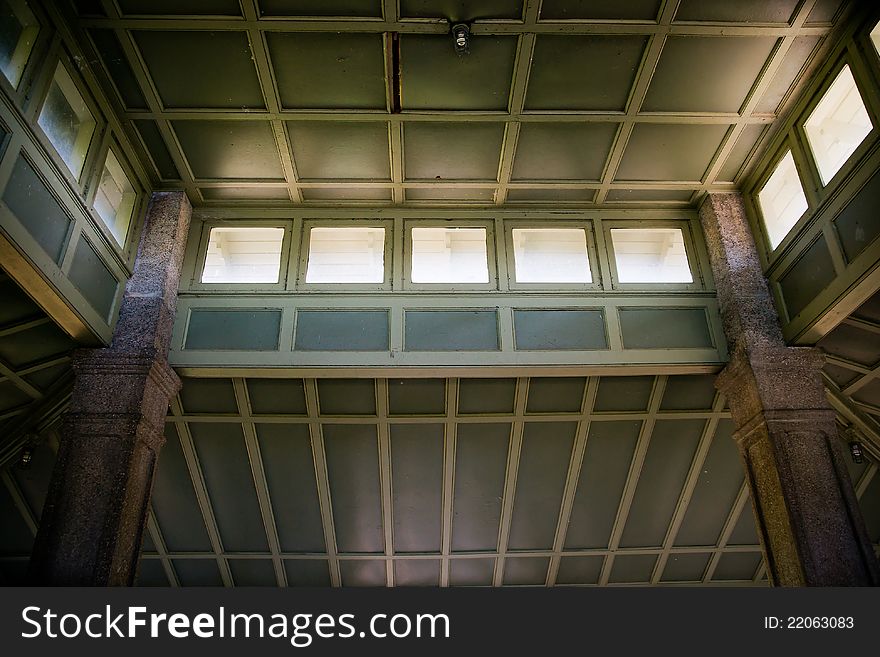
(358, 102)
(35, 374)
(531, 481)
(853, 359)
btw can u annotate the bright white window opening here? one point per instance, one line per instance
(650, 255)
(782, 200)
(346, 255)
(838, 125)
(551, 255)
(449, 255)
(67, 121)
(18, 31)
(114, 200)
(243, 255)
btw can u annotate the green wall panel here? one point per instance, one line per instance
(255, 330)
(30, 200)
(858, 225)
(341, 330)
(451, 330)
(542, 330)
(811, 274)
(92, 278)
(665, 328)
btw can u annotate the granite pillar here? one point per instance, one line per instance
(93, 520)
(808, 518)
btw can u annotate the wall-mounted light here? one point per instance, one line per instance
(855, 449)
(461, 38)
(26, 456)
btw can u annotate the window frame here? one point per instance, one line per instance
(305, 245)
(684, 225)
(88, 148)
(487, 224)
(592, 255)
(784, 148)
(202, 253)
(804, 116)
(23, 52)
(114, 148)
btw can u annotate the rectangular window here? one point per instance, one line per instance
(243, 255)
(650, 255)
(449, 255)
(782, 200)
(551, 255)
(351, 254)
(114, 200)
(838, 125)
(67, 121)
(18, 31)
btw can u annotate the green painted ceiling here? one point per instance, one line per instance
(407, 482)
(353, 102)
(35, 369)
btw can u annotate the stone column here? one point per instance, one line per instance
(808, 518)
(93, 521)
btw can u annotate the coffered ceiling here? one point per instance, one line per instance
(560, 102)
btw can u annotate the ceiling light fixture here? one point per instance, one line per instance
(461, 38)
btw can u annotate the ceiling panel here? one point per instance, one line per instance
(452, 151)
(793, 63)
(328, 70)
(579, 570)
(600, 9)
(307, 572)
(633, 568)
(670, 152)
(252, 572)
(346, 194)
(556, 194)
(370, 8)
(290, 479)
(201, 69)
(416, 397)
(232, 193)
(113, 56)
(685, 567)
(562, 151)
(540, 484)
(555, 395)
(526, 570)
(450, 194)
(754, 11)
(181, 7)
(225, 466)
(583, 72)
(742, 148)
(434, 77)
(326, 150)
(417, 470)
(417, 572)
(229, 149)
(706, 74)
(353, 474)
(461, 10)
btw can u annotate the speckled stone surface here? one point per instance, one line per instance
(95, 513)
(808, 517)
